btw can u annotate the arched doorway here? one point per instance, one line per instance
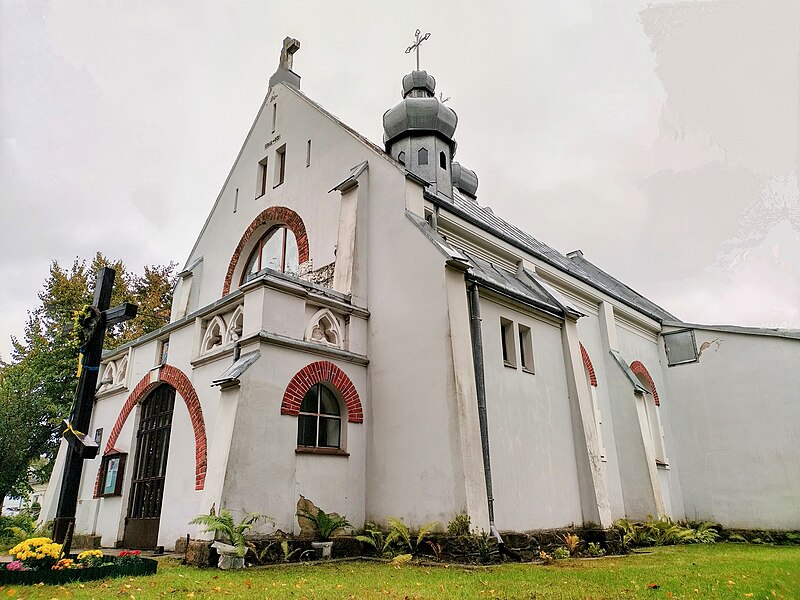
(147, 486)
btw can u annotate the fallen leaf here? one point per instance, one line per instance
(748, 595)
(248, 583)
(653, 586)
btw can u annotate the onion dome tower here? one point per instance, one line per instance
(418, 132)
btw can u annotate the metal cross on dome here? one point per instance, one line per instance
(416, 45)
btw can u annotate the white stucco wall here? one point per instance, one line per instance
(736, 426)
(534, 473)
(264, 472)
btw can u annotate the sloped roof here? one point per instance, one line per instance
(578, 267)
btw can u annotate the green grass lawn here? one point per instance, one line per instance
(714, 571)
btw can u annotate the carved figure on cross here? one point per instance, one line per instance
(416, 45)
(290, 46)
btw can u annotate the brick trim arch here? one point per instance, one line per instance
(318, 372)
(639, 369)
(177, 379)
(587, 362)
(274, 213)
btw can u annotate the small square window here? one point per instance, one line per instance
(280, 165)
(508, 344)
(526, 348)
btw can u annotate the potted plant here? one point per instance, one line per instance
(325, 526)
(231, 554)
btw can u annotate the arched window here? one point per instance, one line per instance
(276, 250)
(422, 156)
(319, 422)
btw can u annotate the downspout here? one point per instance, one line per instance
(480, 389)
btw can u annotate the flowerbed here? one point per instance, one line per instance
(39, 560)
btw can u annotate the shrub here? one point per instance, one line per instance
(561, 552)
(594, 550)
(459, 525)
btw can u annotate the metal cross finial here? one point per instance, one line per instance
(415, 45)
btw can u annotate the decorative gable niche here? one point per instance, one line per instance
(222, 330)
(323, 328)
(114, 374)
(216, 331)
(236, 325)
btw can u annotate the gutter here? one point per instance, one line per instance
(480, 388)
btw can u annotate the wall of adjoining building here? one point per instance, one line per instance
(735, 421)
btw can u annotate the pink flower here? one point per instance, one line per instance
(16, 565)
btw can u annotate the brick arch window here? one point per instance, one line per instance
(639, 369)
(591, 378)
(651, 414)
(177, 379)
(327, 373)
(274, 215)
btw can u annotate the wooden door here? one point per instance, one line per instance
(147, 487)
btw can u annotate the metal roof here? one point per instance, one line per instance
(579, 268)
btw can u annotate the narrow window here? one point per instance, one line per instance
(236, 200)
(507, 342)
(308, 154)
(280, 165)
(525, 348)
(442, 160)
(401, 158)
(261, 184)
(274, 116)
(422, 157)
(319, 422)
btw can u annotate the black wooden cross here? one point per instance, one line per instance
(416, 45)
(80, 446)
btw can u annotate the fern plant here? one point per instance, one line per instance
(375, 538)
(402, 536)
(232, 532)
(325, 524)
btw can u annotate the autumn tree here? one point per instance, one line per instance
(37, 385)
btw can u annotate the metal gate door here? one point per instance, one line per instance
(147, 487)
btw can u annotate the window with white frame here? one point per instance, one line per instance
(319, 423)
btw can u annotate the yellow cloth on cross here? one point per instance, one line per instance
(80, 364)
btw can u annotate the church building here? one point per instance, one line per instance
(355, 326)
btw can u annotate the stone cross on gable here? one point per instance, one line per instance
(416, 45)
(94, 323)
(290, 46)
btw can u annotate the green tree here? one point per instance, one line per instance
(37, 385)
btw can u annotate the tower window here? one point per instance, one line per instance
(280, 165)
(401, 158)
(442, 160)
(422, 157)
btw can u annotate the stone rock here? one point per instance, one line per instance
(200, 554)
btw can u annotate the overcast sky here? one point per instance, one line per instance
(661, 138)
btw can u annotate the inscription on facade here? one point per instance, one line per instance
(277, 138)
